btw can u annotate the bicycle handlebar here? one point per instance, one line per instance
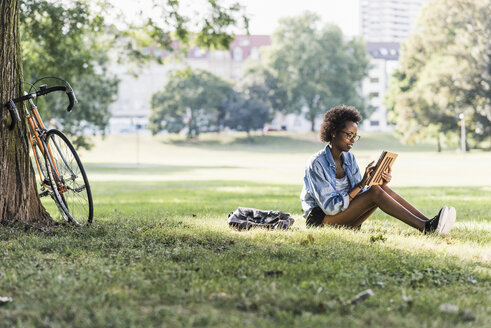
(44, 91)
(72, 99)
(14, 113)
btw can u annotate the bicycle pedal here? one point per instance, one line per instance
(44, 193)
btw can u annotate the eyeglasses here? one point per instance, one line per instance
(351, 136)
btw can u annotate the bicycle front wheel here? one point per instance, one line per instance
(70, 173)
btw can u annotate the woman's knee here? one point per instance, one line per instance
(375, 189)
(375, 192)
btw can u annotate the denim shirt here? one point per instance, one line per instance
(320, 183)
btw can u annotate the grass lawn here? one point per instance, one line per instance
(160, 253)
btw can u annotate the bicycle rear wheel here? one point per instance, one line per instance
(73, 186)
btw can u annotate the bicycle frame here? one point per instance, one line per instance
(36, 129)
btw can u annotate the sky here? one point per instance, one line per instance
(265, 14)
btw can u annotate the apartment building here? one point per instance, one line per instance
(388, 20)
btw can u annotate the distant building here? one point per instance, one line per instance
(384, 59)
(385, 24)
(132, 107)
(388, 20)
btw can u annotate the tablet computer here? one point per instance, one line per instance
(384, 162)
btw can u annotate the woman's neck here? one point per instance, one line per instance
(335, 152)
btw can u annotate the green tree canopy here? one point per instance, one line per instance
(262, 85)
(313, 67)
(244, 112)
(173, 26)
(445, 70)
(192, 99)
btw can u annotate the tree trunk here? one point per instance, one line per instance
(438, 142)
(249, 137)
(19, 200)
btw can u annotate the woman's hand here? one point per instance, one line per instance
(386, 176)
(368, 173)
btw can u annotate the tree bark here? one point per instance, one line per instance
(19, 200)
(311, 117)
(438, 142)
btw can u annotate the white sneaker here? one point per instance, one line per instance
(452, 216)
(447, 220)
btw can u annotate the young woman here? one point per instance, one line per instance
(333, 194)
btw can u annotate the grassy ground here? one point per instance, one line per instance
(160, 253)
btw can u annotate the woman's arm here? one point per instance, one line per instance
(355, 191)
(368, 171)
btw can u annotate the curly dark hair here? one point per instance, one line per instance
(335, 120)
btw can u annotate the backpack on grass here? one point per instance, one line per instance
(244, 218)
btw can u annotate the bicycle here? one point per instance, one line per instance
(61, 173)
